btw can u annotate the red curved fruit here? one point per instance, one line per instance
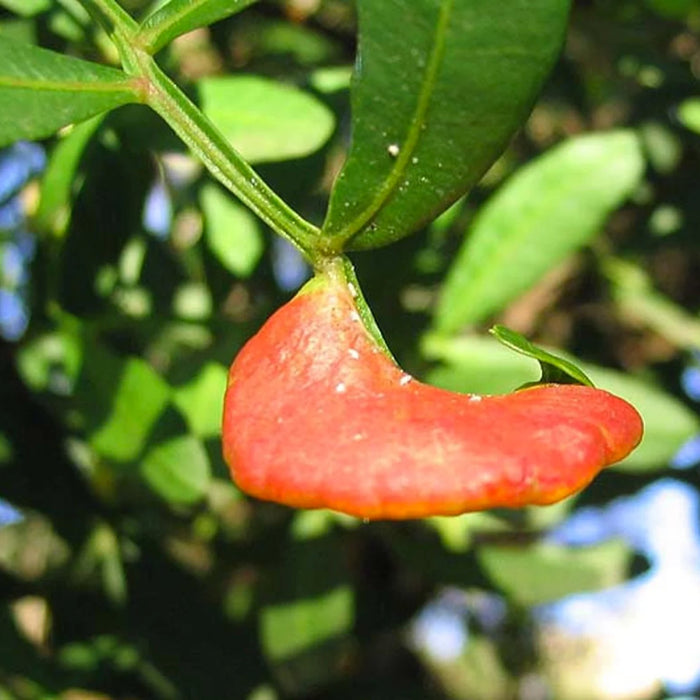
(316, 415)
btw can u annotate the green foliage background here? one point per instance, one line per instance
(139, 570)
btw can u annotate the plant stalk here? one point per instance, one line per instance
(202, 136)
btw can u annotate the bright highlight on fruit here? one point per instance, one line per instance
(317, 415)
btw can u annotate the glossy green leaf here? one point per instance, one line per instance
(232, 232)
(555, 370)
(481, 365)
(139, 398)
(59, 177)
(439, 88)
(264, 119)
(178, 470)
(543, 573)
(689, 113)
(42, 91)
(180, 16)
(546, 211)
(200, 400)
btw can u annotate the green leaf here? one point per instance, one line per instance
(555, 370)
(21, 30)
(689, 113)
(178, 470)
(140, 397)
(51, 362)
(265, 120)
(201, 399)
(26, 8)
(307, 614)
(639, 302)
(42, 91)
(482, 366)
(232, 232)
(675, 9)
(59, 178)
(439, 88)
(546, 211)
(180, 16)
(6, 450)
(543, 573)
(290, 628)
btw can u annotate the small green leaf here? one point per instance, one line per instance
(42, 91)
(139, 398)
(26, 8)
(232, 232)
(439, 89)
(689, 113)
(546, 211)
(290, 628)
(50, 362)
(543, 573)
(483, 366)
(265, 120)
(638, 301)
(180, 16)
(200, 400)
(59, 177)
(178, 470)
(555, 370)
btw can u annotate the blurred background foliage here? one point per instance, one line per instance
(131, 567)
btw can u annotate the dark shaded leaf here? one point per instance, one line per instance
(42, 91)
(439, 89)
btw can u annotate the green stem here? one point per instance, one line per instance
(224, 162)
(202, 136)
(111, 16)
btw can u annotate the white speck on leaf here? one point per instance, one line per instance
(393, 149)
(354, 354)
(353, 291)
(354, 316)
(475, 398)
(340, 388)
(405, 379)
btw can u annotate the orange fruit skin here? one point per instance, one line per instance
(316, 415)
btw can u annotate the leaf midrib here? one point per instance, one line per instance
(68, 85)
(407, 149)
